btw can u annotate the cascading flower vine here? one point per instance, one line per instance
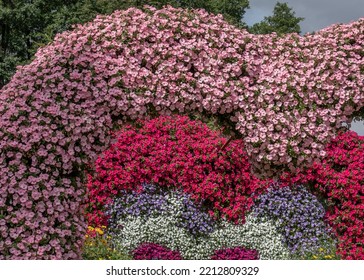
(287, 96)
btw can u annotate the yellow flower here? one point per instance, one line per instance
(315, 257)
(99, 231)
(90, 228)
(321, 249)
(328, 257)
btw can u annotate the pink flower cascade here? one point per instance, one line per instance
(288, 96)
(179, 153)
(339, 179)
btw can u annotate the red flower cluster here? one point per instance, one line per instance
(339, 179)
(237, 253)
(151, 251)
(176, 152)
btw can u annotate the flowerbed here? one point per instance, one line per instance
(181, 226)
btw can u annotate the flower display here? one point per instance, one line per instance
(237, 253)
(298, 216)
(286, 97)
(175, 151)
(92, 232)
(339, 180)
(263, 236)
(130, 227)
(97, 246)
(155, 201)
(151, 251)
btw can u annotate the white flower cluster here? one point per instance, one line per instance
(263, 236)
(162, 229)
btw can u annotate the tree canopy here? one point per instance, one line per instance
(283, 21)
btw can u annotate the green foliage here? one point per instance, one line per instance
(232, 10)
(359, 115)
(283, 21)
(7, 68)
(26, 25)
(20, 23)
(97, 247)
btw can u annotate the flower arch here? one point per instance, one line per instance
(287, 97)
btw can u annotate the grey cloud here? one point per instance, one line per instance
(318, 14)
(358, 127)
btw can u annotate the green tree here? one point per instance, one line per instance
(232, 10)
(283, 21)
(20, 22)
(27, 24)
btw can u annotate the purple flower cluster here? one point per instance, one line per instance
(237, 253)
(152, 199)
(151, 251)
(136, 204)
(193, 219)
(298, 214)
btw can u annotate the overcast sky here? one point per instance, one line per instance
(317, 13)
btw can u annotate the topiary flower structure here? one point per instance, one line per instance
(287, 97)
